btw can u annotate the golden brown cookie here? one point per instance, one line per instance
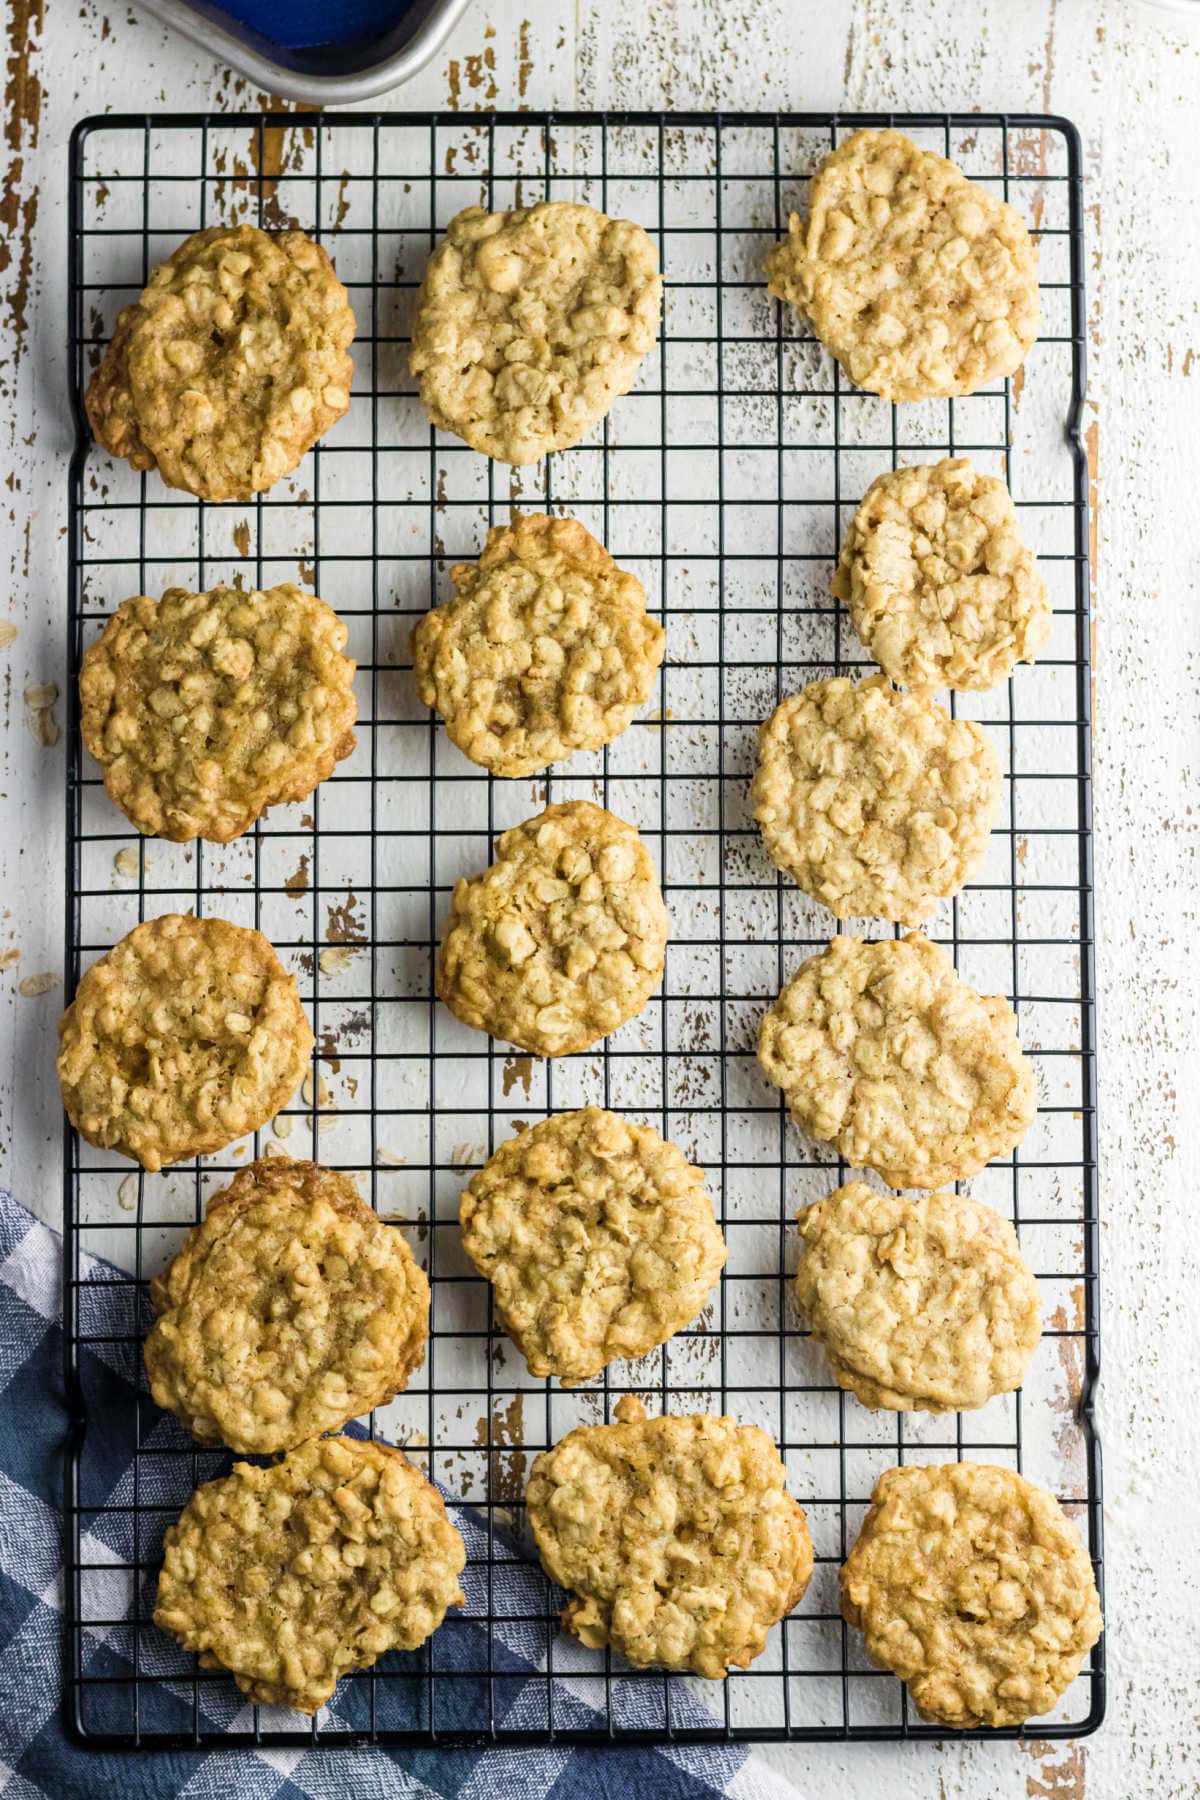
(547, 648)
(676, 1536)
(598, 1238)
(230, 366)
(562, 939)
(185, 1035)
(204, 709)
(884, 1053)
(879, 803)
(938, 581)
(292, 1309)
(530, 323)
(971, 1585)
(920, 282)
(921, 1304)
(291, 1575)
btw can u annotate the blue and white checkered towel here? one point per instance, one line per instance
(38, 1762)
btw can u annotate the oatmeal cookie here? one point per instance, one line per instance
(204, 709)
(185, 1035)
(919, 282)
(562, 939)
(923, 1304)
(884, 1053)
(546, 649)
(879, 803)
(972, 1585)
(290, 1310)
(230, 366)
(937, 579)
(676, 1536)
(291, 1575)
(530, 323)
(598, 1238)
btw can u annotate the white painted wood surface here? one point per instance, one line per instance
(1128, 73)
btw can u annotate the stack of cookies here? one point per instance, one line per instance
(292, 1309)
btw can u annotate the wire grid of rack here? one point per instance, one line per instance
(724, 480)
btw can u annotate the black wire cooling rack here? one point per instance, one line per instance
(723, 479)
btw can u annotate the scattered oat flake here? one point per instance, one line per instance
(308, 1092)
(390, 1156)
(334, 958)
(8, 633)
(326, 1122)
(44, 728)
(282, 1126)
(41, 694)
(33, 985)
(125, 862)
(127, 1193)
(9, 957)
(271, 1148)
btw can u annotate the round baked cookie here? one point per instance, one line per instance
(230, 366)
(937, 579)
(291, 1575)
(920, 282)
(547, 648)
(204, 709)
(530, 323)
(290, 1310)
(884, 1053)
(184, 1036)
(598, 1238)
(972, 1585)
(879, 803)
(562, 939)
(922, 1305)
(676, 1536)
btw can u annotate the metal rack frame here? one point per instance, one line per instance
(720, 361)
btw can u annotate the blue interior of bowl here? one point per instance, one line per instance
(310, 24)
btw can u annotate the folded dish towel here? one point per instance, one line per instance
(36, 1756)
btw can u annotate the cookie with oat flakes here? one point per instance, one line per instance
(972, 1585)
(562, 939)
(546, 649)
(530, 323)
(922, 1304)
(879, 803)
(938, 581)
(291, 1309)
(181, 1038)
(883, 1052)
(292, 1575)
(205, 709)
(676, 1536)
(598, 1238)
(920, 282)
(231, 364)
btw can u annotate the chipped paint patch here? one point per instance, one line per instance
(1061, 1772)
(345, 925)
(296, 883)
(517, 1069)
